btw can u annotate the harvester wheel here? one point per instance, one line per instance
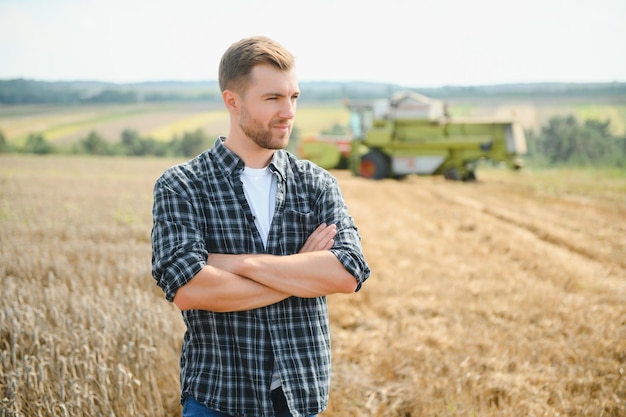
(470, 176)
(452, 174)
(374, 165)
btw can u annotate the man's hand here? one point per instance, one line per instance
(322, 238)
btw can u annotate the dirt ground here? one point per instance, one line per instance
(501, 297)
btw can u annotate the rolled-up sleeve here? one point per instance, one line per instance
(178, 247)
(347, 247)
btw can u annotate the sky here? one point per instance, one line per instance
(413, 43)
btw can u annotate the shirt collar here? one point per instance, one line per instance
(226, 159)
(230, 162)
(278, 164)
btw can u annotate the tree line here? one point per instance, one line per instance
(21, 91)
(564, 141)
(131, 143)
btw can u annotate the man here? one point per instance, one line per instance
(247, 242)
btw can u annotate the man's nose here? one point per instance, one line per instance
(288, 109)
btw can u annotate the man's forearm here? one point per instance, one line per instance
(313, 272)
(243, 282)
(310, 274)
(222, 291)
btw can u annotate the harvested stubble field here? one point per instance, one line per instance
(505, 297)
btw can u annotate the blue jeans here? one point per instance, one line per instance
(193, 408)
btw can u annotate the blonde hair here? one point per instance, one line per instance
(242, 56)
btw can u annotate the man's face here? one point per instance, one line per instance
(269, 106)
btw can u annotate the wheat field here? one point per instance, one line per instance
(505, 297)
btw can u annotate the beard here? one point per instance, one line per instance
(262, 135)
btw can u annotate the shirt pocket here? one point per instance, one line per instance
(297, 227)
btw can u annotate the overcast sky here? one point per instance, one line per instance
(412, 43)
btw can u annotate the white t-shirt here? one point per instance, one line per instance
(259, 185)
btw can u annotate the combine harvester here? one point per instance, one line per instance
(413, 134)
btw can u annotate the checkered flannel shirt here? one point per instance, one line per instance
(227, 358)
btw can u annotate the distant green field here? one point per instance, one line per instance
(312, 120)
(213, 122)
(66, 124)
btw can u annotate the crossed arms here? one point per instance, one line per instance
(244, 282)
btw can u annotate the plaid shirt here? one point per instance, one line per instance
(227, 358)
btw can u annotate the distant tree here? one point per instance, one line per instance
(600, 145)
(156, 148)
(564, 141)
(94, 144)
(132, 143)
(191, 144)
(37, 144)
(560, 139)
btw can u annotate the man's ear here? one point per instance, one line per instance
(231, 101)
